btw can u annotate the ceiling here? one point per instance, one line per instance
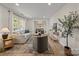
(36, 9)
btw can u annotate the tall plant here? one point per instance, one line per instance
(68, 24)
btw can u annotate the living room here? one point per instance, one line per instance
(23, 22)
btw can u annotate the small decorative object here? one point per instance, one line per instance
(68, 24)
(5, 32)
(39, 33)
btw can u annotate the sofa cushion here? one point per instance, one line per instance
(21, 38)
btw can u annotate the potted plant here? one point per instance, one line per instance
(68, 24)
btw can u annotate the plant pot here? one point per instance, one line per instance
(40, 51)
(67, 51)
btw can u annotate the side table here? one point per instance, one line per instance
(8, 43)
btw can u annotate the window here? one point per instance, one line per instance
(18, 23)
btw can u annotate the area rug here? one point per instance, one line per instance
(25, 50)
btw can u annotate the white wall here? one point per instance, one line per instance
(0, 18)
(30, 24)
(4, 16)
(3, 20)
(73, 42)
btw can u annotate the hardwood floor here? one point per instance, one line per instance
(57, 48)
(26, 50)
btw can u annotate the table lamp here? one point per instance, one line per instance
(5, 32)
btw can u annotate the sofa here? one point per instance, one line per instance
(21, 37)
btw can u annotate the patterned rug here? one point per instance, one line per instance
(25, 50)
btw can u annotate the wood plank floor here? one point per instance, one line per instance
(26, 50)
(57, 48)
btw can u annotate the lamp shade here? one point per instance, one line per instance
(5, 30)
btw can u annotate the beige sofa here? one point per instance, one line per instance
(21, 38)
